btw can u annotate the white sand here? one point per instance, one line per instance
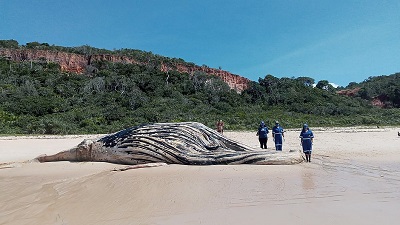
(354, 178)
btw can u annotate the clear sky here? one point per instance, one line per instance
(336, 40)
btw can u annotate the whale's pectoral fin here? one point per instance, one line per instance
(41, 158)
(68, 155)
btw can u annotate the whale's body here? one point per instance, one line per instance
(186, 143)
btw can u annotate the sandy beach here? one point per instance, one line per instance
(354, 178)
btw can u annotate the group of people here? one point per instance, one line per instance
(278, 135)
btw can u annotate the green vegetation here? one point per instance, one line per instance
(37, 98)
(384, 88)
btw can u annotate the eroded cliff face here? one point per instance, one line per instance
(378, 101)
(349, 92)
(77, 63)
(68, 62)
(234, 81)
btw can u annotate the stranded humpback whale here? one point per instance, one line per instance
(187, 143)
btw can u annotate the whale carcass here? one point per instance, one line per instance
(187, 143)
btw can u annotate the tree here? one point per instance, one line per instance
(256, 93)
(352, 85)
(325, 85)
(307, 81)
(8, 43)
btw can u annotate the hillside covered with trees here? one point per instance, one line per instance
(39, 98)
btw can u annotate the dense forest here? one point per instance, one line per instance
(38, 98)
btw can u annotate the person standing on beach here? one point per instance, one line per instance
(262, 134)
(307, 138)
(220, 126)
(278, 135)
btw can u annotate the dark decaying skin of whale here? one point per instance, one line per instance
(172, 143)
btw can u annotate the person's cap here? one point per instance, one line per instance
(305, 125)
(277, 122)
(262, 122)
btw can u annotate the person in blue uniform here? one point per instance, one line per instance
(278, 135)
(262, 134)
(307, 138)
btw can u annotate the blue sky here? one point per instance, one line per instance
(336, 40)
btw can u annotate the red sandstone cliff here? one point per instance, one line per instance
(378, 101)
(67, 61)
(78, 63)
(234, 81)
(349, 92)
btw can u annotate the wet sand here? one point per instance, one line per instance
(354, 178)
